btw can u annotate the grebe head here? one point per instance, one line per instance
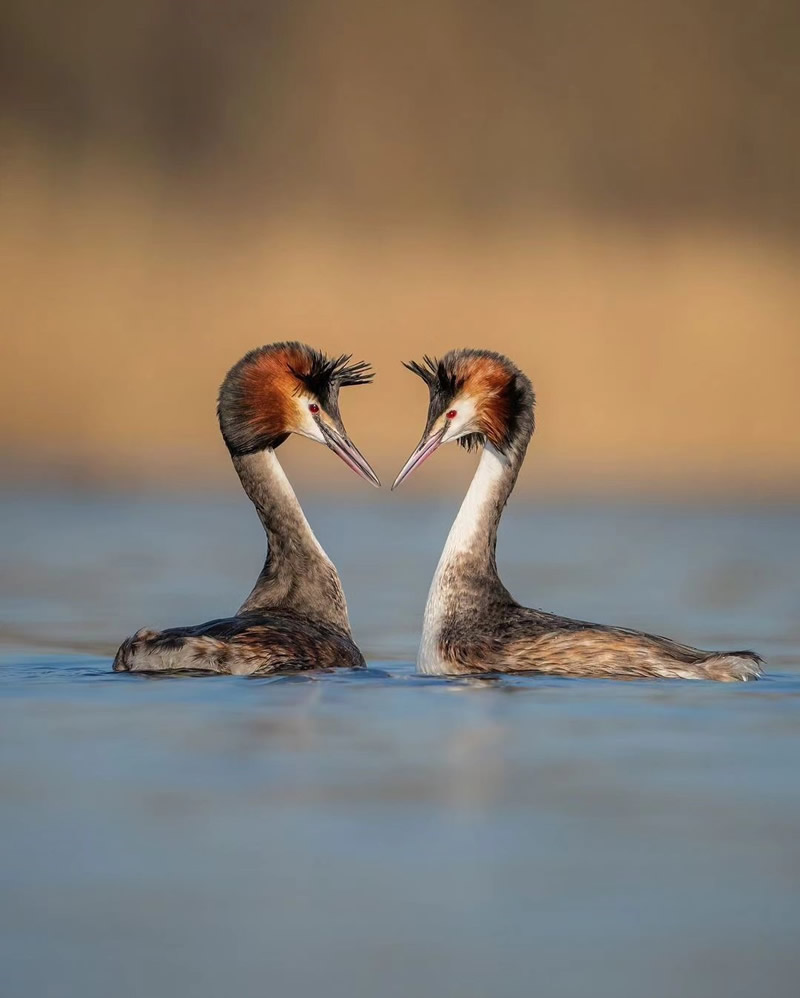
(476, 397)
(288, 388)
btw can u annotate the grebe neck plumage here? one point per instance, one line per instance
(296, 615)
(472, 540)
(467, 570)
(297, 572)
(472, 624)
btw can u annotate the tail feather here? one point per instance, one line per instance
(734, 666)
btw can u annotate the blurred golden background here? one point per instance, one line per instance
(606, 192)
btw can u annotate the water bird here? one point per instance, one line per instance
(296, 615)
(472, 624)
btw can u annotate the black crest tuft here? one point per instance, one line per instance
(326, 375)
(436, 376)
(443, 384)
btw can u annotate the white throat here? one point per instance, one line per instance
(466, 530)
(472, 514)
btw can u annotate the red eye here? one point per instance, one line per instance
(452, 414)
(313, 407)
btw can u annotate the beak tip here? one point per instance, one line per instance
(343, 447)
(426, 447)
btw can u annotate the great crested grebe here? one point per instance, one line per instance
(296, 615)
(472, 623)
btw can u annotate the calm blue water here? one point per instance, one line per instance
(382, 834)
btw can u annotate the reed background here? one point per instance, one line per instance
(606, 192)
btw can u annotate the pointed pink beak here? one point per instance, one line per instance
(426, 447)
(343, 447)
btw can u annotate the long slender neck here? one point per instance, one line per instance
(466, 583)
(466, 577)
(472, 541)
(297, 574)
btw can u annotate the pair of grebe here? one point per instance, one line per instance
(296, 615)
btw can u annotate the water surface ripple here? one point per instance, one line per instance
(380, 833)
